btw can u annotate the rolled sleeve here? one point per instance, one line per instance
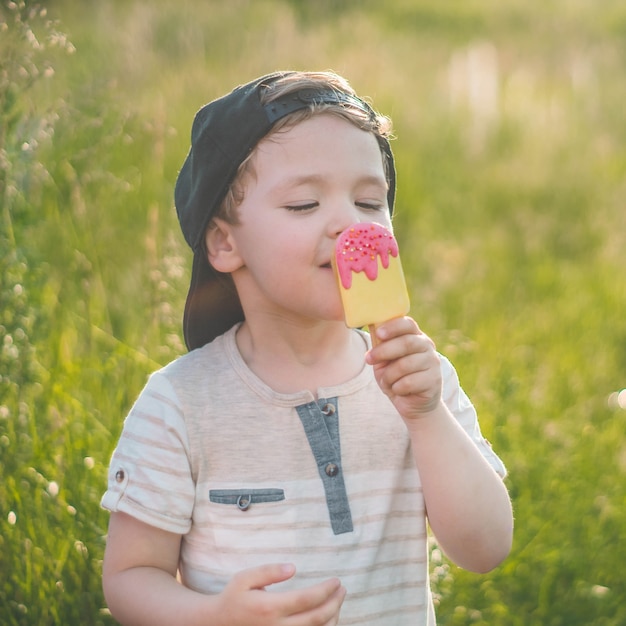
(150, 475)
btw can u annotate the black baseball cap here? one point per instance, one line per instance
(223, 134)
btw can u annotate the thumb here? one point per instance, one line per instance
(265, 575)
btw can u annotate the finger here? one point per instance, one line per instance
(329, 613)
(401, 327)
(396, 327)
(324, 614)
(264, 575)
(304, 601)
(400, 346)
(426, 383)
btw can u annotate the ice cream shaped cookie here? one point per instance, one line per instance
(369, 274)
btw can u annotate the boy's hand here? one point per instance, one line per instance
(406, 367)
(244, 600)
(139, 577)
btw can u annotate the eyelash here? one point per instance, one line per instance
(307, 207)
(301, 207)
(370, 207)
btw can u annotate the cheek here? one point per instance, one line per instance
(274, 257)
(277, 242)
(285, 247)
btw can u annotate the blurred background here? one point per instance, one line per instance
(511, 155)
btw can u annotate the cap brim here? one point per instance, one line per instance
(212, 305)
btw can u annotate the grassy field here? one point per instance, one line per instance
(511, 216)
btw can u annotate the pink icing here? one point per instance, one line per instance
(358, 248)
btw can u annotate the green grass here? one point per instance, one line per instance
(510, 216)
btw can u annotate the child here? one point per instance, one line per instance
(282, 472)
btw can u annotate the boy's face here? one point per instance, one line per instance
(310, 182)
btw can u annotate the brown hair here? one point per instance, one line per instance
(379, 125)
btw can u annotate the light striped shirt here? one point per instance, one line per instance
(249, 476)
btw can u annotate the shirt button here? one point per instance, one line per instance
(329, 409)
(244, 502)
(119, 476)
(331, 470)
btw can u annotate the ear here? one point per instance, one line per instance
(221, 247)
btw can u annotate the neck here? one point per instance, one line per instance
(291, 357)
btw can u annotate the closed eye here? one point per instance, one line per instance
(371, 206)
(301, 207)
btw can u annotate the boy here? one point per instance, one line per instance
(282, 471)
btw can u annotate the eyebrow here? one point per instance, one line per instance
(306, 179)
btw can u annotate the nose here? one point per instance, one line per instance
(344, 215)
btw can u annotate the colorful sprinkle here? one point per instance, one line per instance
(358, 249)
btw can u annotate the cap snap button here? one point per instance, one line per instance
(119, 476)
(329, 409)
(331, 470)
(244, 502)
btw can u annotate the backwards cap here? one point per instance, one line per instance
(223, 134)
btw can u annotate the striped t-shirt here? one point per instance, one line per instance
(249, 476)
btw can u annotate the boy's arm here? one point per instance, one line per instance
(140, 586)
(468, 506)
